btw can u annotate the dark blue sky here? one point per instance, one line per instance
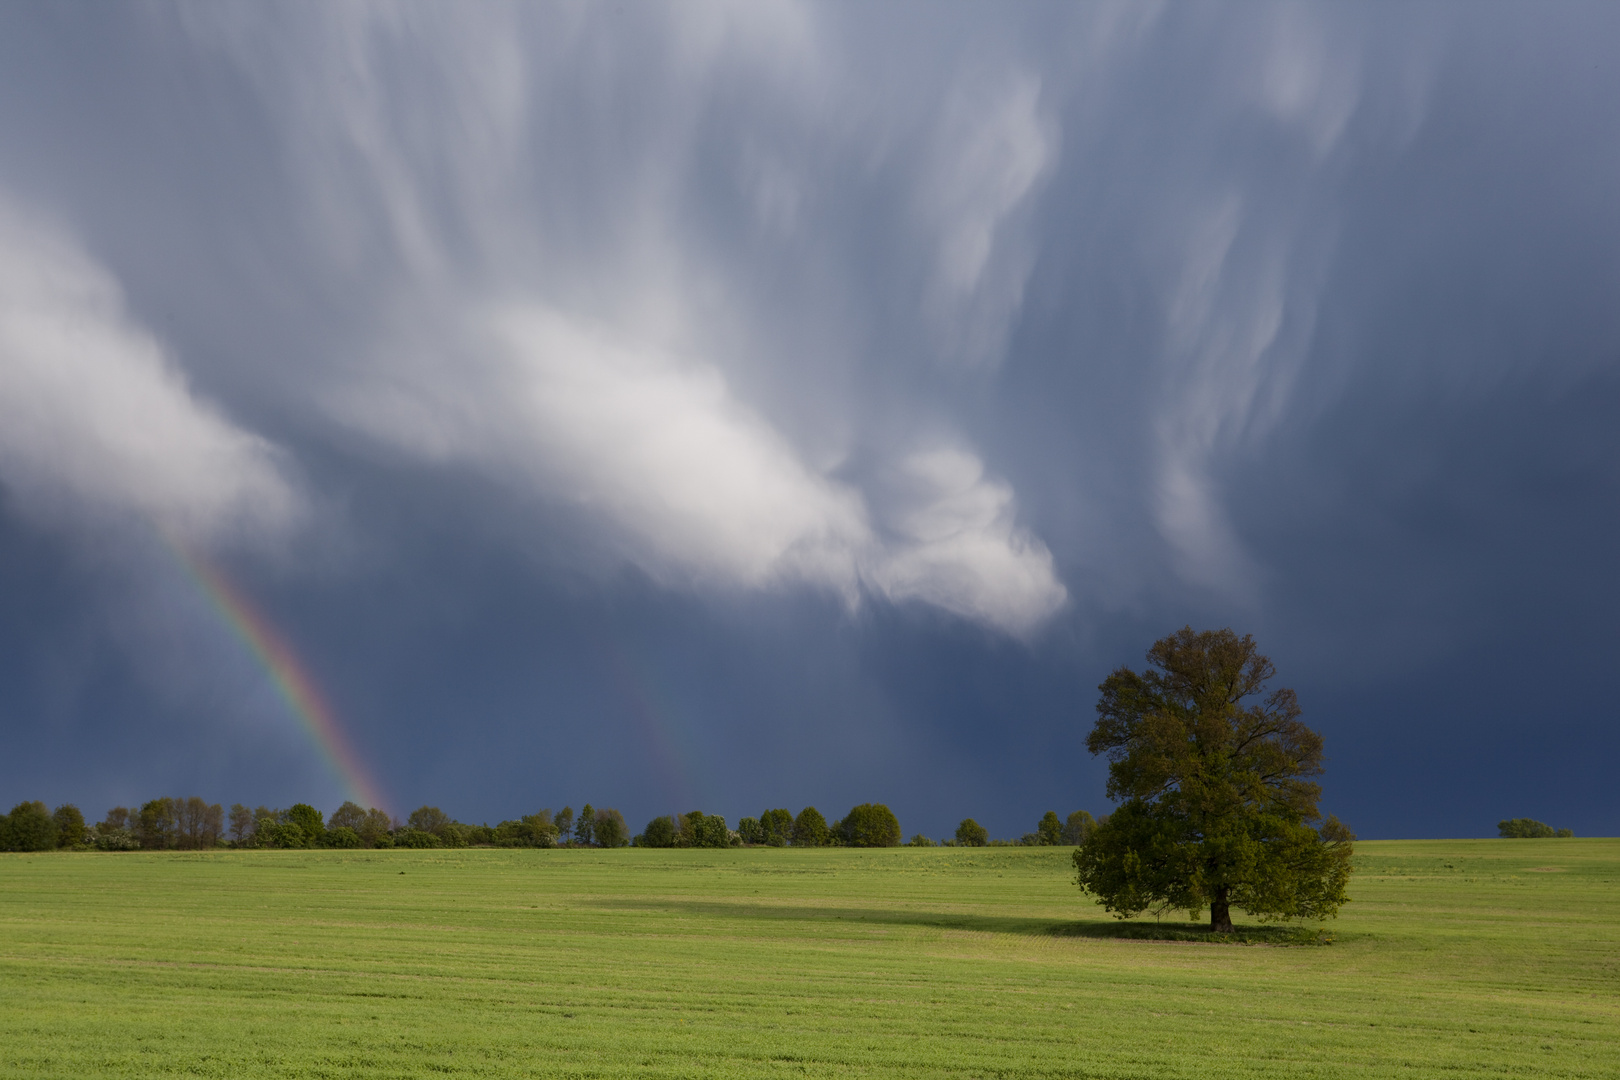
(733, 406)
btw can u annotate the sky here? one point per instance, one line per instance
(727, 406)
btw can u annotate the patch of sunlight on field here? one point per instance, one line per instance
(1490, 957)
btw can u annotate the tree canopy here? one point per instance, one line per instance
(1212, 773)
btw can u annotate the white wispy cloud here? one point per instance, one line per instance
(97, 418)
(568, 330)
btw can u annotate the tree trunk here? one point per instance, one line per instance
(1220, 913)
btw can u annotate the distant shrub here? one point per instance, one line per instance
(308, 819)
(810, 829)
(1078, 829)
(919, 840)
(971, 834)
(374, 829)
(70, 831)
(750, 831)
(29, 827)
(610, 829)
(111, 838)
(348, 815)
(416, 838)
(429, 819)
(341, 837)
(1566, 834)
(660, 833)
(1049, 832)
(155, 824)
(1523, 828)
(870, 825)
(777, 825)
(532, 830)
(701, 830)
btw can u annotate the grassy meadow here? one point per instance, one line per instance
(1460, 957)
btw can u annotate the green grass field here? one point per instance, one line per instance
(1466, 958)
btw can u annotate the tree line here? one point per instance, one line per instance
(194, 824)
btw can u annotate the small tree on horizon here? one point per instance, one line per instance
(777, 826)
(971, 834)
(1078, 829)
(810, 829)
(870, 825)
(70, 829)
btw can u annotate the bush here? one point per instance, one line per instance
(971, 834)
(428, 819)
(533, 830)
(1566, 834)
(416, 838)
(1078, 829)
(112, 838)
(1523, 828)
(777, 826)
(308, 820)
(610, 829)
(70, 831)
(810, 829)
(701, 830)
(660, 833)
(155, 825)
(919, 841)
(870, 825)
(341, 837)
(29, 827)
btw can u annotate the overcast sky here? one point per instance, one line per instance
(730, 406)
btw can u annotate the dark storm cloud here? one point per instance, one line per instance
(731, 404)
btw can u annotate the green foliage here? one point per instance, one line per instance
(429, 819)
(342, 837)
(661, 832)
(870, 825)
(242, 824)
(919, 840)
(1523, 828)
(1566, 834)
(1078, 829)
(532, 830)
(156, 825)
(1049, 833)
(971, 834)
(585, 827)
(1217, 805)
(700, 830)
(112, 838)
(810, 829)
(565, 824)
(777, 826)
(29, 827)
(70, 830)
(610, 830)
(750, 831)
(347, 816)
(416, 838)
(375, 828)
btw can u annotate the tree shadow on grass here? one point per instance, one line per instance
(1111, 929)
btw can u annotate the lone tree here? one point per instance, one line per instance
(1210, 770)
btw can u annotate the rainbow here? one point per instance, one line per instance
(288, 675)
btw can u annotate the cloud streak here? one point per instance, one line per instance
(97, 419)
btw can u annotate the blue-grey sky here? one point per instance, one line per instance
(768, 404)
